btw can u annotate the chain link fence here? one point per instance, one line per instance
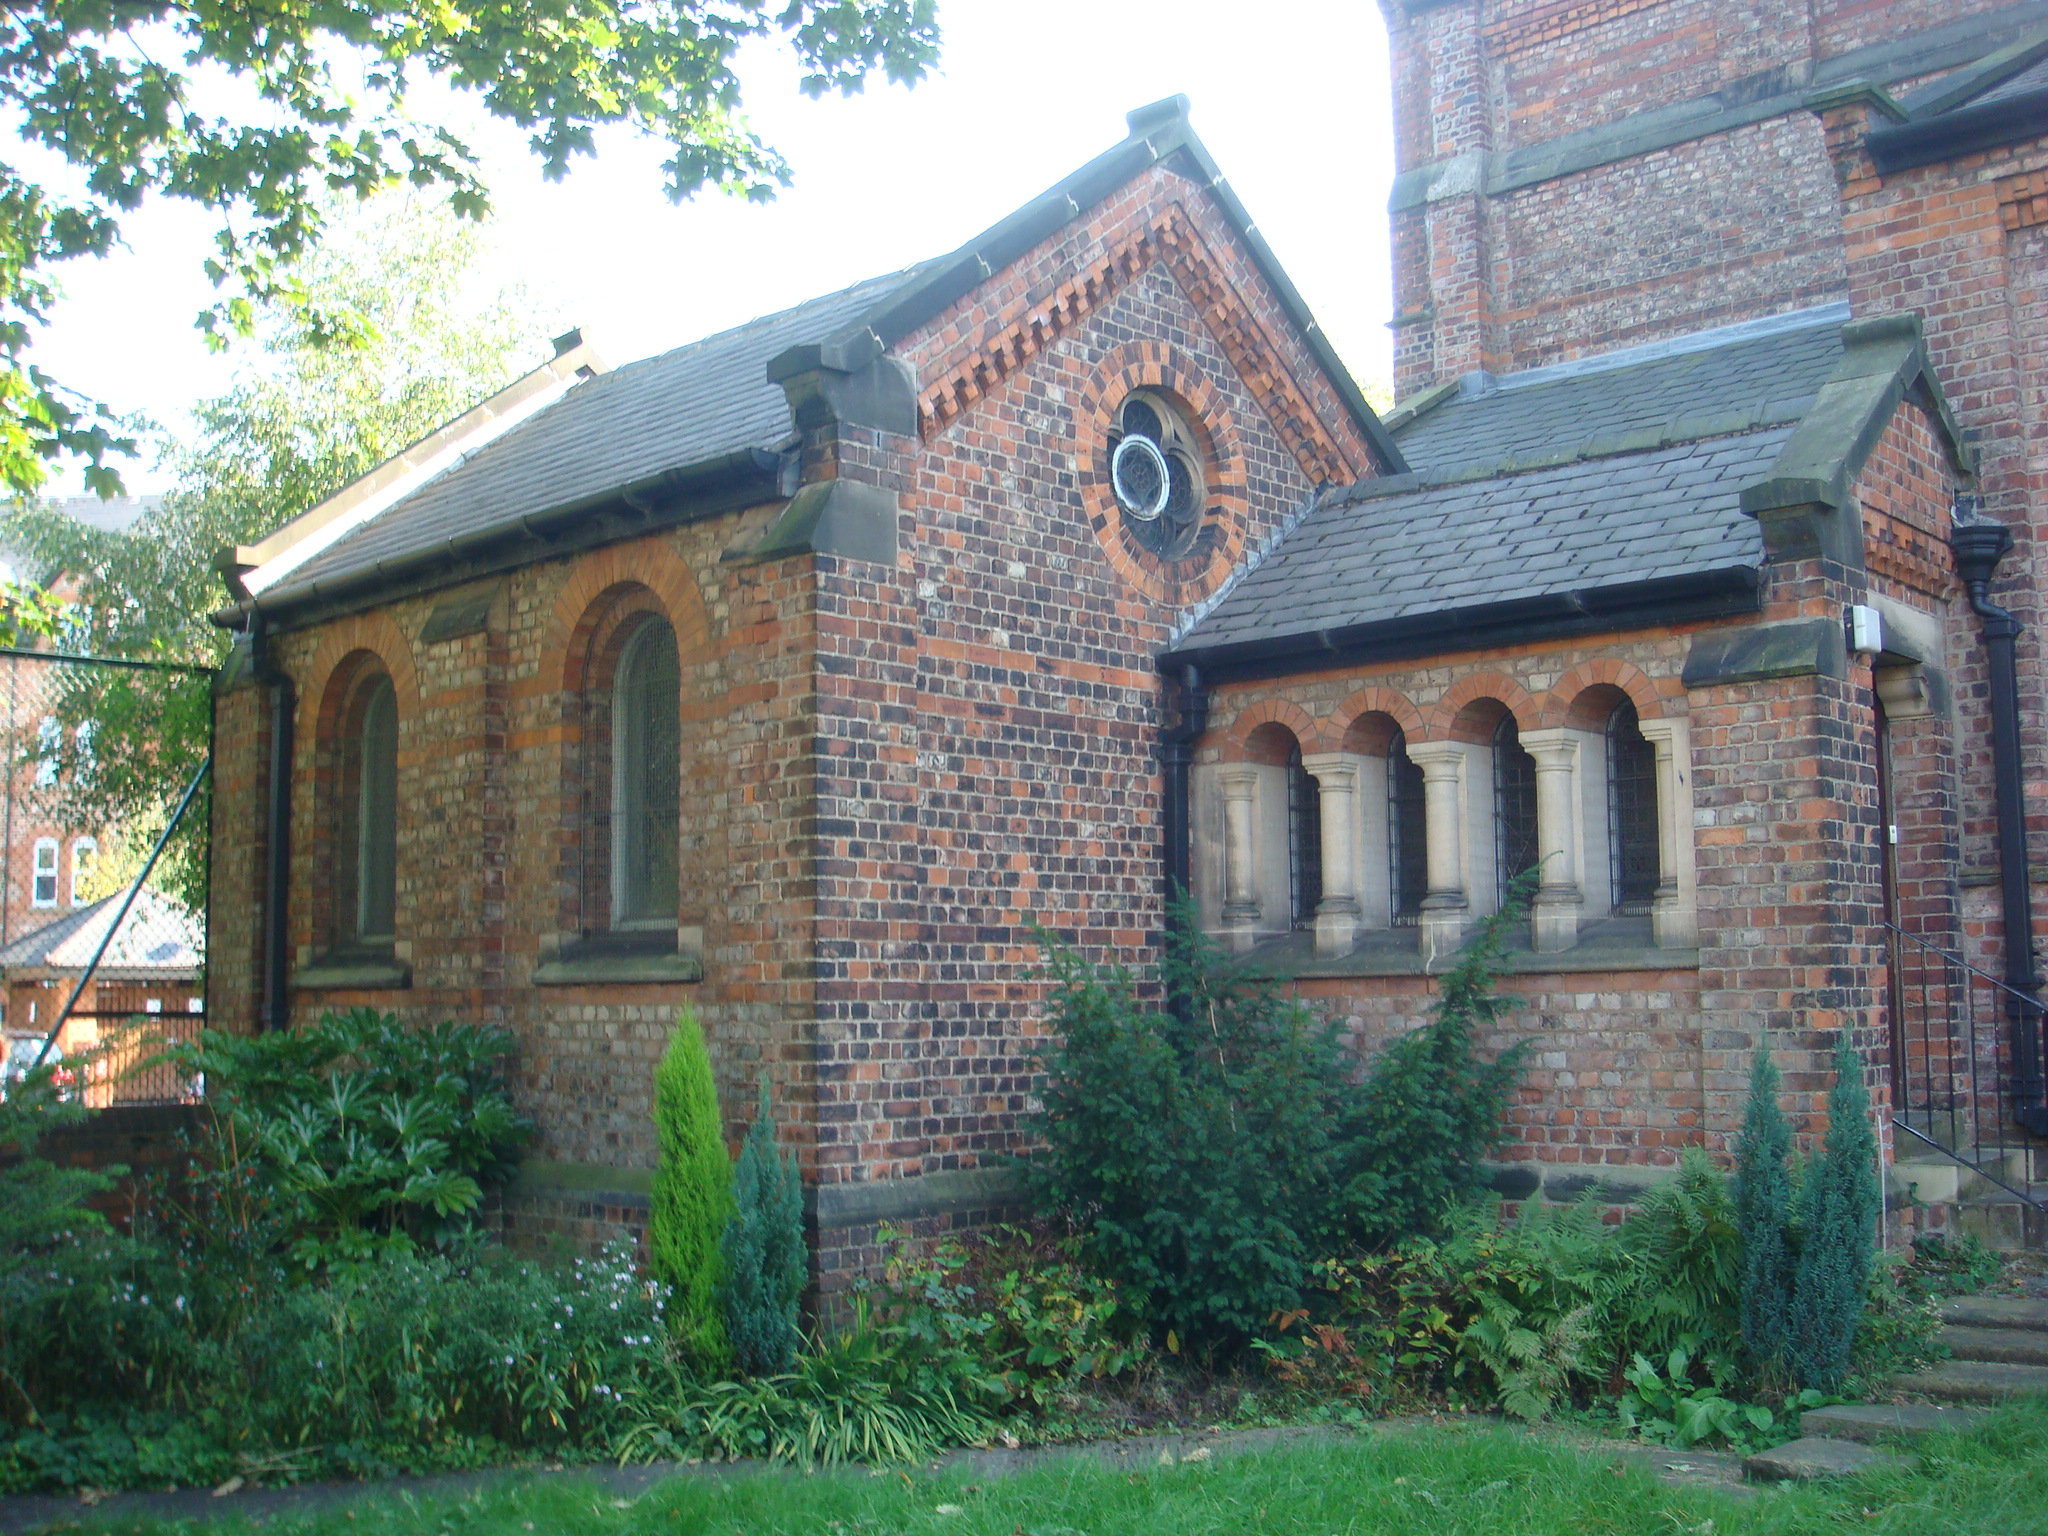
(103, 839)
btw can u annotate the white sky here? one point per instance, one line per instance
(1291, 98)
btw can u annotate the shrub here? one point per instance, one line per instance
(1763, 1218)
(411, 1363)
(691, 1199)
(1212, 1151)
(1431, 1109)
(373, 1134)
(1838, 1240)
(762, 1251)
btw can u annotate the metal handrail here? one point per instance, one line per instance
(1941, 1061)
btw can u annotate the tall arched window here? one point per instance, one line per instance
(646, 748)
(1407, 835)
(1514, 804)
(1631, 811)
(367, 842)
(1304, 842)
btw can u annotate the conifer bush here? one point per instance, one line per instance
(691, 1200)
(763, 1252)
(1214, 1149)
(1763, 1218)
(1839, 1236)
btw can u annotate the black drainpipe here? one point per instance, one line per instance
(1978, 547)
(277, 830)
(1177, 748)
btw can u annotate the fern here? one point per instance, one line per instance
(1686, 1263)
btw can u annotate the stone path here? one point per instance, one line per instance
(1998, 1348)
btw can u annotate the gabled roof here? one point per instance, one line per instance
(660, 437)
(158, 940)
(1599, 494)
(2002, 98)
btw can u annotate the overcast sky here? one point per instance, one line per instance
(1290, 96)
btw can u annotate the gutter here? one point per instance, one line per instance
(1695, 596)
(1978, 547)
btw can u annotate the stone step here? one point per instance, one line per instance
(2026, 1312)
(2009, 1346)
(1885, 1423)
(1802, 1461)
(1974, 1381)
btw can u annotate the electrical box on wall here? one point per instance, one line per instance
(1866, 629)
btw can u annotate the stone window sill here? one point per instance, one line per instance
(619, 969)
(352, 973)
(1395, 953)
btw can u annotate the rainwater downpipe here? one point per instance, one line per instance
(1177, 749)
(1978, 547)
(277, 829)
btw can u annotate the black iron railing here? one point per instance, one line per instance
(1967, 1058)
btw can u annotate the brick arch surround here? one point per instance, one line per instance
(648, 563)
(371, 632)
(1374, 701)
(1274, 711)
(1155, 365)
(1443, 718)
(1651, 700)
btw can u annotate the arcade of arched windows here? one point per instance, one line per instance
(1379, 830)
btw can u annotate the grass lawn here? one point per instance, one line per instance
(1444, 1481)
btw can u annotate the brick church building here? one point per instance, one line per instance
(797, 673)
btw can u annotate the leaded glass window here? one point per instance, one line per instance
(1514, 804)
(1407, 835)
(1631, 811)
(371, 844)
(1304, 841)
(646, 778)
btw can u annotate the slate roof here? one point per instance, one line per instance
(711, 402)
(1547, 492)
(1445, 548)
(2000, 98)
(1731, 379)
(2033, 78)
(679, 409)
(158, 939)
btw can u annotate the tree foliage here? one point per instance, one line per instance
(260, 115)
(303, 419)
(691, 1200)
(1214, 1149)
(1838, 1241)
(763, 1252)
(1763, 1216)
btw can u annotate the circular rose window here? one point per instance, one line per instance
(1155, 472)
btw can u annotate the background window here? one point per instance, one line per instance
(49, 740)
(1631, 811)
(1407, 835)
(647, 743)
(1304, 841)
(1514, 802)
(44, 891)
(82, 851)
(368, 844)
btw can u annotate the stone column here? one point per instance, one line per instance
(1554, 913)
(1240, 783)
(1446, 908)
(1674, 917)
(1337, 915)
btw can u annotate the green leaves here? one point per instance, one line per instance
(110, 91)
(374, 1134)
(1215, 1149)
